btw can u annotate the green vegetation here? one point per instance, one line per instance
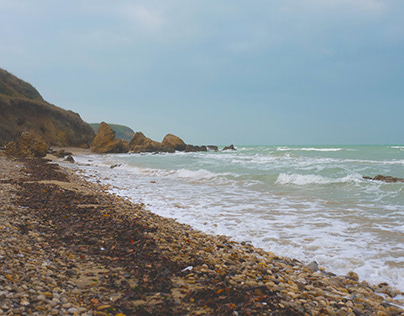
(122, 131)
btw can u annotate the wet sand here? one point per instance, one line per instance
(67, 247)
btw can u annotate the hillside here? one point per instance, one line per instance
(23, 109)
(122, 131)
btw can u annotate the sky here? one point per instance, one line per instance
(277, 72)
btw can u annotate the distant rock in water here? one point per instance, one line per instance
(231, 147)
(23, 109)
(140, 143)
(27, 146)
(388, 179)
(105, 141)
(171, 143)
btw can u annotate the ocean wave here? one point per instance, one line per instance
(308, 149)
(397, 147)
(305, 179)
(195, 175)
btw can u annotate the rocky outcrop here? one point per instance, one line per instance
(122, 131)
(388, 179)
(105, 141)
(231, 147)
(171, 143)
(23, 109)
(140, 143)
(27, 146)
(193, 148)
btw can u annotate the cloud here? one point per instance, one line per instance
(146, 18)
(361, 6)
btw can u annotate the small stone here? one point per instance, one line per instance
(41, 298)
(100, 308)
(312, 266)
(76, 291)
(353, 275)
(72, 310)
(24, 302)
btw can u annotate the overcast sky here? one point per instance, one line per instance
(218, 72)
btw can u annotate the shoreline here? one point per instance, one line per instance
(144, 263)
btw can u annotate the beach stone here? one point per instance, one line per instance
(41, 298)
(312, 266)
(72, 310)
(353, 275)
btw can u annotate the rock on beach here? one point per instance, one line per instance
(70, 248)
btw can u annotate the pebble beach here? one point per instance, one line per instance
(67, 247)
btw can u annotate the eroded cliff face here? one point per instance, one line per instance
(22, 109)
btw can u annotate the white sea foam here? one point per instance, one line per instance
(308, 149)
(306, 179)
(195, 175)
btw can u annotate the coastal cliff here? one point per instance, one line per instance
(23, 109)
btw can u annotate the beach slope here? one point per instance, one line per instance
(69, 247)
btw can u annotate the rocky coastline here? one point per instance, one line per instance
(67, 247)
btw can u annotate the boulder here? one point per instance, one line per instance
(172, 142)
(105, 141)
(28, 146)
(213, 147)
(231, 147)
(388, 179)
(12, 149)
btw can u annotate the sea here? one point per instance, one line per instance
(310, 203)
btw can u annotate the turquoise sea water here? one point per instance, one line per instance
(306, 202)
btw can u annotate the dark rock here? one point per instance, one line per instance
(387, 179)
(213, 147)
(60, 153)
(105, 141)
(193, 148)
(69, 159)
(231, 147)
(190, 149)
